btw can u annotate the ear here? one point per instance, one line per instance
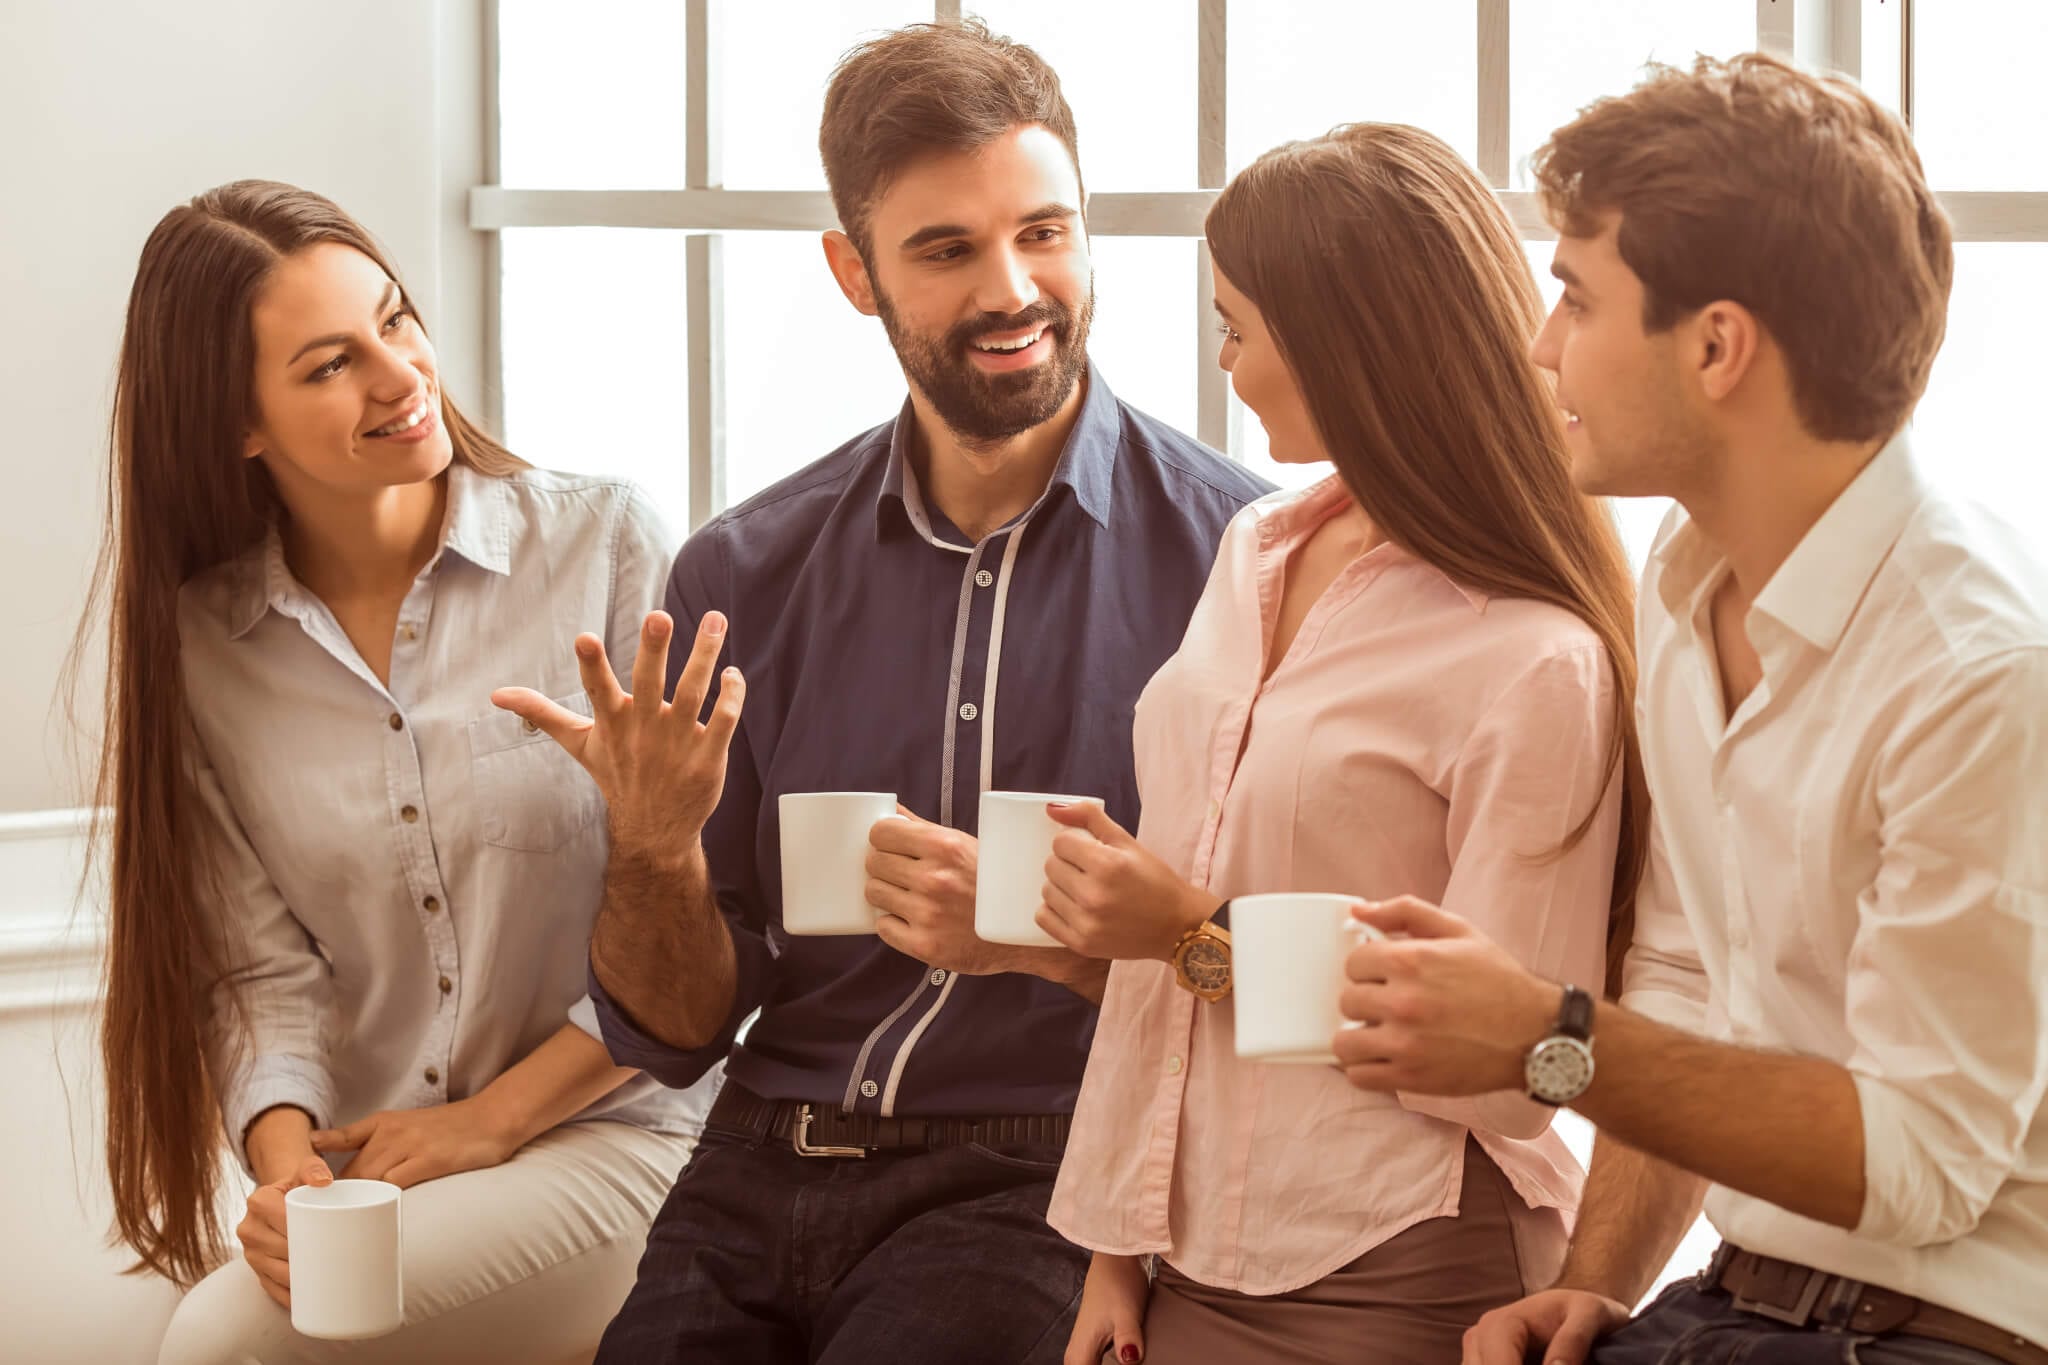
(850, 271)
(252, 444)
(1725, 340)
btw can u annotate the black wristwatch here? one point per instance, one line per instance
(1558, 1069)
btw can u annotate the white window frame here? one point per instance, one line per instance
(1818, 34)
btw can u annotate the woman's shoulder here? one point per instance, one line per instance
(588, 510)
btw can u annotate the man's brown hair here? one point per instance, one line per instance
(925, 89)
(1797, 196)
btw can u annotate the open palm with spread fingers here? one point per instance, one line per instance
(660, 769)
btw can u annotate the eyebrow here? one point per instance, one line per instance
(1568, 275)
(337, 338)
(925, 236)
(1217, 304)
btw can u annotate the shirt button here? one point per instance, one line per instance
(1173, 1066)
(412, 632)
(397, 721)
(433, 1076)
(529, 727)
(938, 976)
(983, 578)
(432, 903)
(409, 814)
(1215, 809)
(968, 710)
(870, 1089)
(446, 985)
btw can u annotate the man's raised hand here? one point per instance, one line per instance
(660, 770)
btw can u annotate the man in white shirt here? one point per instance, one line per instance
(1835, 1020)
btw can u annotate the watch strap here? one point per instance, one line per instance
(1575, 1015)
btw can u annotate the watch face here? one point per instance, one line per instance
(1559, 1070)
(1206, 965)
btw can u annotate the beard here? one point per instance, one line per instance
(983, 408)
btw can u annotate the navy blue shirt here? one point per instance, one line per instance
(884, 651)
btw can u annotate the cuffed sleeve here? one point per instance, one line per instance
(1945, 1004)
(1533, 768)
(271, 1022)
(729, 837)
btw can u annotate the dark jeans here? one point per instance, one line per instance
(761, 1255)
(1684, 1326)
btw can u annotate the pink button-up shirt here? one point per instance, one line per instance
(1417, 738)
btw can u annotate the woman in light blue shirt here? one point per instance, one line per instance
(351, 900)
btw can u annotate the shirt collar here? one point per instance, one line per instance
(1815, 591)
(477, 526)
(1086, 467)
(1286, 519)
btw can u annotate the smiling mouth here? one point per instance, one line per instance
(405, 422)
(1029, 339)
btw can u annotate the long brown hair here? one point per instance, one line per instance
(1397, 293)
(181, 499)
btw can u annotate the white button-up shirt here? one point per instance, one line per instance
(1859, 858)
(408, 875)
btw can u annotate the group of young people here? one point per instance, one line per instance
(1743, 864)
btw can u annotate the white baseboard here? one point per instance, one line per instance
(51, 941)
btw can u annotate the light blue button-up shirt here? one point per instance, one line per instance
(408, 875)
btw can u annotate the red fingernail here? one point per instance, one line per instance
(1128, 1355)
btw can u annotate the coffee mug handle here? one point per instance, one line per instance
(1357, 931)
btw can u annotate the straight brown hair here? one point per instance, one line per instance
(1797, 196)
(181, 499)
(927, 89)
(1397, 293)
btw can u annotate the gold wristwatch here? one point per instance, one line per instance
(1201, 960)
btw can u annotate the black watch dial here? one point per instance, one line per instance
(1206, 964)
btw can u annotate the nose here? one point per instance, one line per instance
(1005, 285)
(398, 366)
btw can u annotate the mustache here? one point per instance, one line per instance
(965, 334)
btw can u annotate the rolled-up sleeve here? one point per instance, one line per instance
(272, 1018)
(1533, 768)
(695, 587)
(1945, 1000)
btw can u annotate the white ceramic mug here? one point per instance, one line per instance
(825, 859)
(1287, 956)
(1015, 840)
(348, 1273)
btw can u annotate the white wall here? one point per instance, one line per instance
(111, 111)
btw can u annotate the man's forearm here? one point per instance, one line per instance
(660, 948)
(1635, 1211)
(1780, 1127)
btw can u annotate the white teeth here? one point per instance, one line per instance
(406, 423)
(1010, 345)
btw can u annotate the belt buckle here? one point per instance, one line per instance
(800, 1140)
(1797, 1316)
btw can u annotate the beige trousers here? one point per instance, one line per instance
(1407, 1301)
(521, 1264)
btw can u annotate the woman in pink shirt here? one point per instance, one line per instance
(1414, 677)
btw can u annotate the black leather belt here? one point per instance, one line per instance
(827, 1130)
(1800, 1296)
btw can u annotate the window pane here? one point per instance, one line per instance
(593, 349)
(1566, 53)
(1128, 71)
(1977, 113)
(1299, 69)
(1973, 432)
(775, 60)
(1144, 338)
(590, 96)
(804, 372)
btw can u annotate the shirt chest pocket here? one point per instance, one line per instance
(530, 794)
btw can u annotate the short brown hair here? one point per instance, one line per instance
(1798, 197)
(927, 88)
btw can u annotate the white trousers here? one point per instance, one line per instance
(521, 1264)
